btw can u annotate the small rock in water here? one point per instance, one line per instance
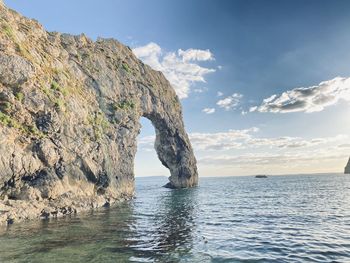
(261, 176)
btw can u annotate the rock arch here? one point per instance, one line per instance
(69, 117)
(174, 151)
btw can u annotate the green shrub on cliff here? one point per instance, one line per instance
(9, 121)
(4, 119)
(19, 96)
(56, 87)
(5, 106)
(8, 31)
(124, 105)
(126, 67)
(99, 124)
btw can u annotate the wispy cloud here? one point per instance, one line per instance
(344, 145)
(208, 110)
(249, 139)
(310, 99)
(293, 142)
(232, 139)
(180, 67)
(246, 150)
(230, 102)
(200, 90)
(279, 160)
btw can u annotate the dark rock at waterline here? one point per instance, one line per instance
(261, 176)
(69, 118)
(347, 168)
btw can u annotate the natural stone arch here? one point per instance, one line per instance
(172, 144)
(70, 110)
(175, 153)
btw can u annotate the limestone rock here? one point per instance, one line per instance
(347, 168)
(14, 70)
(69, 119)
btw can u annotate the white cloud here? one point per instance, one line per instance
(195, 55)
(293, 142)
(232, 139)
(244, 151)
(208, 110)
(177, 67)
(147, 140)
(310, 99)
(279, 160)
(252, 109)
(247, 139)
(150, 55)
(219, 94)
(277, 155)
(344, 145)
(200, 90)
(230, 102)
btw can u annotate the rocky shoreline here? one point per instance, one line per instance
(20, 210)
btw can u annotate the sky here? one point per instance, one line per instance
(265, 85)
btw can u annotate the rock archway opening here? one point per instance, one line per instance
(147, 162)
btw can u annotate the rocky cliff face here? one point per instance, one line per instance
(347, 168)
(69, 118)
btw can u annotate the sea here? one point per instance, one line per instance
(292, 218)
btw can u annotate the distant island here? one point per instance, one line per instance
(260, 176)
(347, 168)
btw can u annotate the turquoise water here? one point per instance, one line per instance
(237, 219)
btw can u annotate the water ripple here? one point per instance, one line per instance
(237, 219)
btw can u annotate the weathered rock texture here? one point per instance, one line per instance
(347, 168)
(69, 118)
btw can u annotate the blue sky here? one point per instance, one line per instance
(246, 52)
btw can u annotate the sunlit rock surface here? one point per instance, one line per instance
(69, 118)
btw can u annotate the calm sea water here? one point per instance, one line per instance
(301, 218)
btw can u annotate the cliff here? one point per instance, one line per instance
(347, 168)
(69, 118)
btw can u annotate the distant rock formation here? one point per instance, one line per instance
(69, 118)
(347, 168)
(260, 176)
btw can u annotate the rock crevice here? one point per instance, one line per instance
(69, 119)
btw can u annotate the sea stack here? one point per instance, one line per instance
(347, 168)
(69, 118)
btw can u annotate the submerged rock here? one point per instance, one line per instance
(69, 118)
